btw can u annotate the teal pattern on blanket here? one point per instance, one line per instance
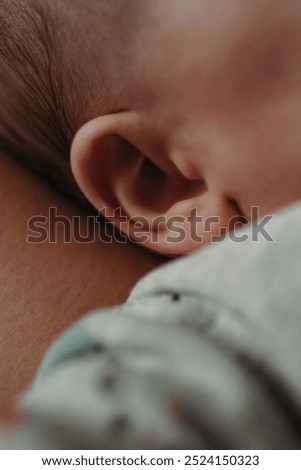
(75, 342)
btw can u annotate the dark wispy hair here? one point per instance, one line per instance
(38, 96)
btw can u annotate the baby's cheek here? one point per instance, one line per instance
(263, 65)
(266, 163)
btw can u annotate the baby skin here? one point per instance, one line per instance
(193, 110)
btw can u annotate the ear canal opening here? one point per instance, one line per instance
(121, 176)
(159, 190)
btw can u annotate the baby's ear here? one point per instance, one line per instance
(141, 191)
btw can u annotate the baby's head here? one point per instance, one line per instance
(172, 108)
